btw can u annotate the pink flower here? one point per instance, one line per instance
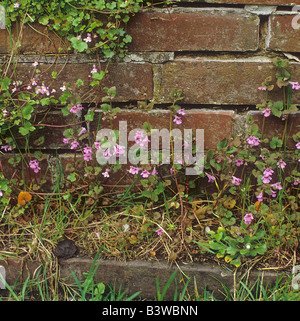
(253, 141)
(281, 164)
(273, 193)
(239, 162)
(134, 170)
(298, 145)
(141, 138)
(295, 85)
(181, 111)
(154, 172)
(66, 140)
(268, 172)
(211, 178)
(63, 88)
(177, 120)
(267, 112)
(88, 38)
(106, 173)
(94, 69)
(145, 174)
(297, 181)
(248, 218)
(76, 108)
(262, 88)
(82, 131)
(236, 181)
(119, 150)
(87, 153)
(74, 144)
(107, 154)
(260, 197)
(266, 179)
(159, 231)
(34, 164)
(17, 5)
(36, 63)
(277, 186)
(97, 145)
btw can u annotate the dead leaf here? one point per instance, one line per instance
(229, 203)
(173, 256)
(24, 197)
(152, 253)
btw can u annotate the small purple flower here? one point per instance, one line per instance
(236, 181)
(281, 164)
(260, 197)
(277, 186)
(181, 111)
(134, 170)
(145, 174)
(74, 144)
(248, 218)
(177, 120)
(239, 162)
(267, 112)
(159, 231)
(34, 164)
(211, 178)
(253, 141)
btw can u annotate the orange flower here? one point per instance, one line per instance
(23, 198)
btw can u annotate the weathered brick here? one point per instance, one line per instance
(129, 78)
(274, 126)
(259, 2)
(52, 133)
(4, 41)
(22, 171)
(216, 124)
(218, 81)
(194, 30)
(35, 38)
(283, 37)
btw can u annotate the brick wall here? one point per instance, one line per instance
(218, 52)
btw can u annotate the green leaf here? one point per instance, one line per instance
(72, 177)
(44, 20)
(98, 76)
(276, 143)
(78, 44)
(23, 131)
(27, 111)
(89, 116)
(79, 82)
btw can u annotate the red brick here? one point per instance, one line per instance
(274, 126)
(194, 30)
(262, 2)
(129, 78)
(4, 41)
(283, 37)
(22, 171)
(216, 124)
(208, 81)
(34, 39)
(55, 123)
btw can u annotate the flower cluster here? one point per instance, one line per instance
(177, 119)
(253, 141)
(34, 164)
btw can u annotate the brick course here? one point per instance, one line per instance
(220, 81)
(194, 30)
